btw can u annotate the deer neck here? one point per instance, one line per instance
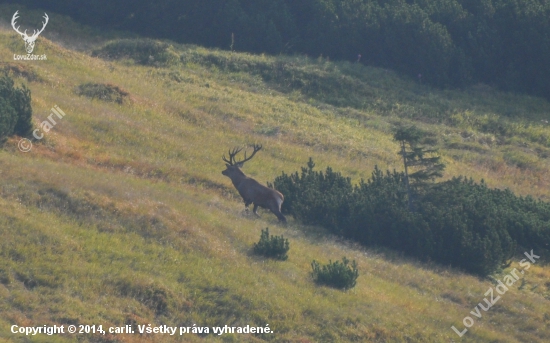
(238, 178)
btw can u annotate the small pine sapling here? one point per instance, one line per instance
(336, 274)
(274, 247)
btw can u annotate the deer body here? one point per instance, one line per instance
(251, 190)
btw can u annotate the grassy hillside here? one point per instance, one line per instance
(120, 215)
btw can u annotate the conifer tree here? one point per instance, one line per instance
(425, 162)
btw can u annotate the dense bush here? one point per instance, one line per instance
(142, 51)
(448, 42)
(456, 222)
(15, 109)
(336, 274)
(272, 246)
(105, 92)
(8, 118)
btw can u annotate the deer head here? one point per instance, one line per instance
(29, 40)
(233, 165)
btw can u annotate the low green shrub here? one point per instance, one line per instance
(8, 118)
(273, 247)
(336, 274)
(456, 222)
(15, 109)
(142, 51)
(105, 92)
(21, 70)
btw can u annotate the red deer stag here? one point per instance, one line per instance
(251, 190)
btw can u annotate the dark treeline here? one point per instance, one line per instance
(504, 43)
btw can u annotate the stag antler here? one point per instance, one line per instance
(34, 34)
(13, 19)
(232, 153)
(44, 23)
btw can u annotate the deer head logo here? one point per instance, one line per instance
(29, 40)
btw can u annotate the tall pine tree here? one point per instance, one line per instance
(422, 165)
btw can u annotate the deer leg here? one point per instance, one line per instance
(255, 209)
(277, 211)
(281, 217)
